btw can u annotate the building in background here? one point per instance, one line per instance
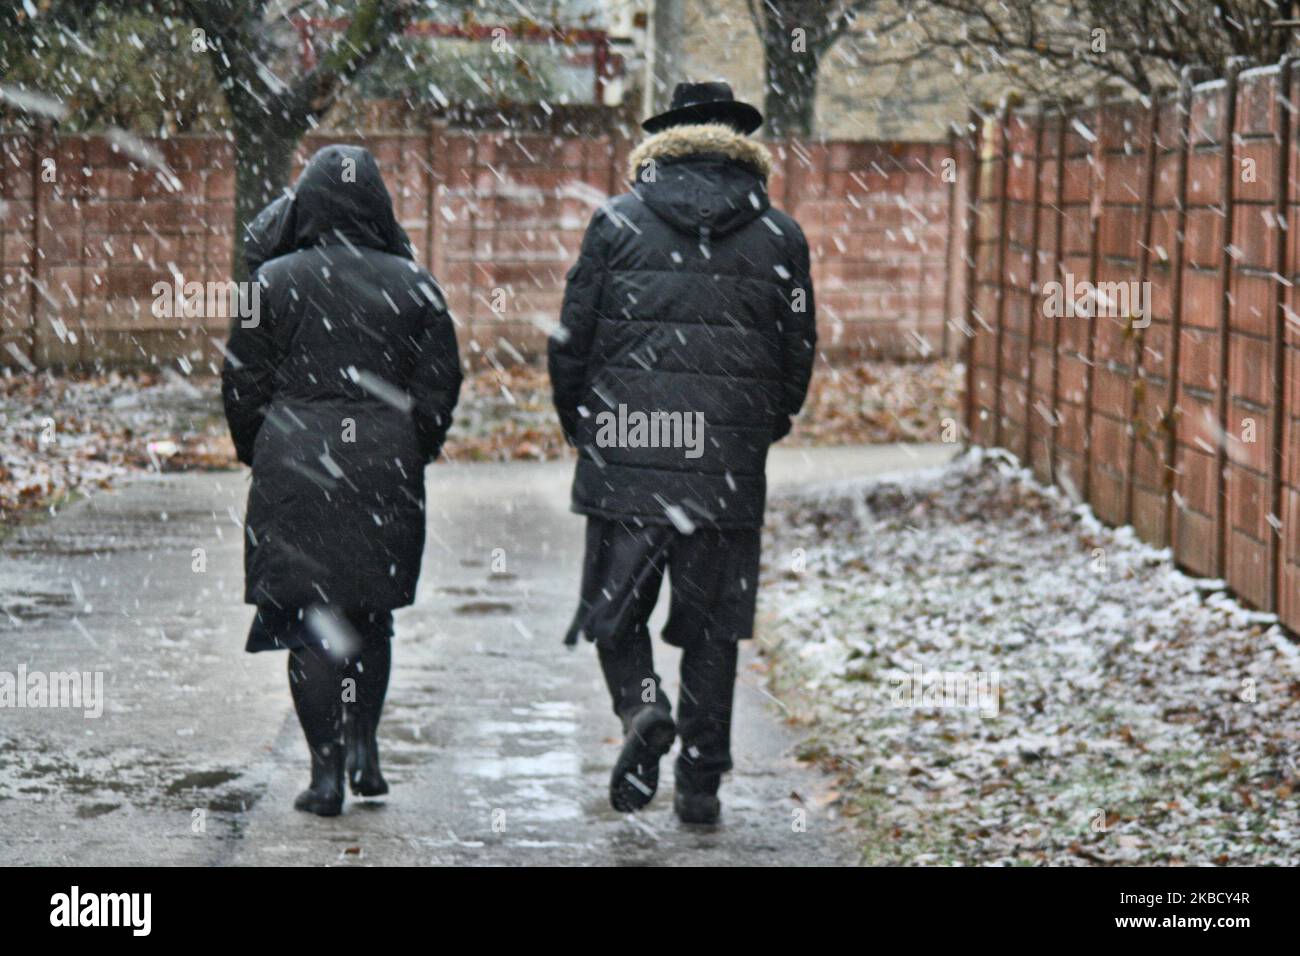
(916, 100)
(627, 55)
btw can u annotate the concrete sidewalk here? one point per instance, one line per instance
(497, 741)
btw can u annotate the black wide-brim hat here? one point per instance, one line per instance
(705, 103)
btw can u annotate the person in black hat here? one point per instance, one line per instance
(685, 345)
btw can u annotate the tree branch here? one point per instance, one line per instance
(371, 26)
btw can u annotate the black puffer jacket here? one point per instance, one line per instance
(692, 295)
(340, 395)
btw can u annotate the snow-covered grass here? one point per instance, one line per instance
(1142, 717)
(60, 434)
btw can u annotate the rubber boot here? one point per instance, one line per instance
(325, 795)
(362, 756)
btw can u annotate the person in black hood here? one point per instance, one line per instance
(338, 392)
(685, 345)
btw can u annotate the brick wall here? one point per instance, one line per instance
(86, 232)
(1186, 428)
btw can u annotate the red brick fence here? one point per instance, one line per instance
(86, 232)
(1178, 416)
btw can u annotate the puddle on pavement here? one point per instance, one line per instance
(476, 608)
(538, 784)
(79, 545)
(235, 801)
(552, 763)
(523, 729)
(201, 780)
(124, 778)
(19, 606)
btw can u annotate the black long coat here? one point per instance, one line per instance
(339, 395)
(691, 294)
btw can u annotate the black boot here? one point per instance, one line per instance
(649, 735)
(698, 808)
(315, 683)
(704, 717)
(361, 717)
(363, 756)
(325, 795)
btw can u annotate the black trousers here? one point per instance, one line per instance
(714, 580)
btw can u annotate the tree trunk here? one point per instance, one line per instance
(669, 26)
(268, 119)
(263, 163)
(791, 88)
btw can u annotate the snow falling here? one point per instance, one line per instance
(309, 316)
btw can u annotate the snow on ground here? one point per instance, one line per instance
(1142, 717)
(62, 434)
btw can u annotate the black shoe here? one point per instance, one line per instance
(363, 759)
(700, 808)
(325, 795)
(649, 735)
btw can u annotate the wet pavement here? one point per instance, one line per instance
(497, 741)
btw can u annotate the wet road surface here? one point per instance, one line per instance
(497, 741)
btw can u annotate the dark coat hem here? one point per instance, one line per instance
(661, 519)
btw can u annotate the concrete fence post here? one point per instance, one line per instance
(1278, 411)
(1004, 161)
(1057, 256)
(39, 137)
(975, 126)
(950, 241)
(1176, 265)
(1138, 391)
(1033, 313)
(1096, 200)
(1222, 395)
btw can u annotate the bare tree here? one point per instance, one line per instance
(271, 114)
(1050, 47)
(796, 35)
(249, 46)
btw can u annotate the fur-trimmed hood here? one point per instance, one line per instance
(714, 139)
(703, 179)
